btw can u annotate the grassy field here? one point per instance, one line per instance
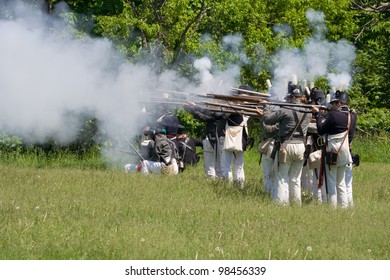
(69, 212)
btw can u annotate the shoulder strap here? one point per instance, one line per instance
(298, 125)
(299, 122)
(186, 145)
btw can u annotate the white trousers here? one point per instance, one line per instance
(337, 190)
(348, 183)
(288, 176)
(148, 166)
(307, 178)
(235, 160)
(212, 158)
(266, 167)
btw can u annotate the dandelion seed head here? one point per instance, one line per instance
(309, 248)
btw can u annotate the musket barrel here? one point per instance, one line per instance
(132, 147)
(231, 106)
(231, 111)
(164, 102)
(236, 97)
(252, 92)
(299, 105)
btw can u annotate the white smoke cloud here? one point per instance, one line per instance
(317, 23)
(203, 65)
(283, 30)
(49, 79)
(342, 57)
(317, 58)
(45, 76)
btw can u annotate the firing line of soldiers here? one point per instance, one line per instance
(305, 143)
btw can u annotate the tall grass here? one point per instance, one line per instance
(97, 213)
(372, 149)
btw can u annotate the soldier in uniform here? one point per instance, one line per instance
(314, 140)
(236, 141)
(213, 138)
(293, 126)
(270, 133)
(187, 147)
(344, 100)
(163, 155)
(337, 125)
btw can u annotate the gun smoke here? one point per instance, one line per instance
(50, 79)
(317, 57)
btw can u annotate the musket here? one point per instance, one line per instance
(298, 105)
(263, 101)
(177, 92)
(234, 108)
(164, 102)
(280, 104)
(323, 174)
(231, 111)
(242, 98)
(133, 148)
(252, 92)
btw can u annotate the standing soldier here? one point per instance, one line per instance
(213, 138)
(236, 140)
(293, 126)
(270, 133)
(314, 143)
(338, 124)
(344, 100)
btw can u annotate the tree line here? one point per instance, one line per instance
(175, 32)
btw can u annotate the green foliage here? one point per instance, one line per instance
(39, 157)
(375, 120)
(371, 88)
(96, 7)
(372, 148)
(193, 127)
(9, 143)
(172, 32)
